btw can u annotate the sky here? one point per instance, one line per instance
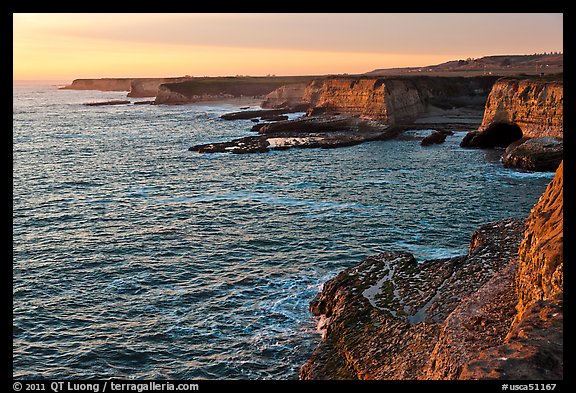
(52, 46)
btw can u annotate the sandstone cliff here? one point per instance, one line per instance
(394, 99)
(103, 84)
(286, 96)
(493, 314)
(540, 275)
(535, 106)
(148, 87)
(526, 117)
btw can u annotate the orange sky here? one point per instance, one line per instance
(70, 46)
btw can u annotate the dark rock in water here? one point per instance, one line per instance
(257, 127)
(143, 102)
(255, 120)
(243, 115)
(274, 117)
(436, 137)
(535, 154)
(113, 102)
(312, 132)
(383, 318)
(257, 144)
(495, 135)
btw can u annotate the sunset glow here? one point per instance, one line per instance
(68, 46)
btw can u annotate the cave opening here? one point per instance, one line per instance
(501, 134)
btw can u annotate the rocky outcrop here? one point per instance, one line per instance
(385, 315)
(148, 87)
(536, 106)
(493, 314)
(112, 102)
(436, 137)
(309, 132)
(535, 154)
(264, 114)
(102, 84)
(517, 110)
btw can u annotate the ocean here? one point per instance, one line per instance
(136, 258)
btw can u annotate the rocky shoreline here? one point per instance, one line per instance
(495, 313)
(347, 111)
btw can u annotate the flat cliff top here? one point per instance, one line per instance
(227, 81)
(557, 77)
(536, 64)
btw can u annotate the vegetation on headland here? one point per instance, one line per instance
(234, 85)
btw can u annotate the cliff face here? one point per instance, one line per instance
(103, 84)
(493, 314)
(148, 87)
(386, 100)
(137, 87)
(394, 99)
(533, 347)
(286, 96)
(535, 106)
(540, 273)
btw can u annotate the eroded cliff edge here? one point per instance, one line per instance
(535, 106)
(495, 313)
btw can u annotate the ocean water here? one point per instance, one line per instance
(135, 258)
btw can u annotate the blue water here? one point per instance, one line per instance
(135, 258)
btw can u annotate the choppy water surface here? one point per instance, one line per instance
(136, 258)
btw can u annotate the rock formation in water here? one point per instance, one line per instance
(495, 313)
(308, 132)
(535, 154)
(104, 103)
(517, 110)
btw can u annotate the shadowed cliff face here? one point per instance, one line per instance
(535, 106)
(493, 314)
